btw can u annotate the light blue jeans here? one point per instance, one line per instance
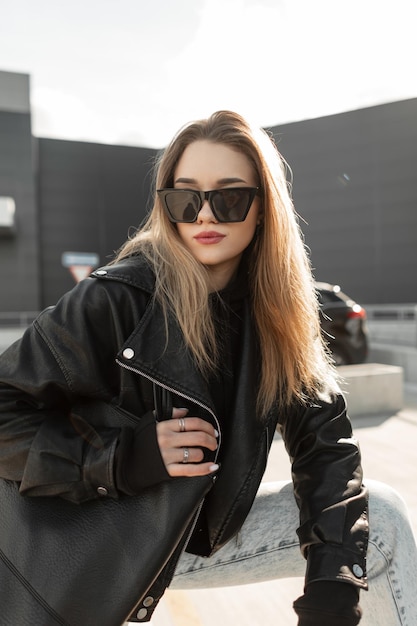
(267, 548)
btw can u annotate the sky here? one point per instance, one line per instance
(132, 72)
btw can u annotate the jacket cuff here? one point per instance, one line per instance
(331, 562)
(98, 472)
(328, 603)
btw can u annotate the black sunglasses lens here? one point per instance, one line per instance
(232, 205)
(182, 206)
(228, 205)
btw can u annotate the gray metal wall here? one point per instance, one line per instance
(90, 195)
(19, 254)
(355, 183)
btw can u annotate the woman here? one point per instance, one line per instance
(214, 300)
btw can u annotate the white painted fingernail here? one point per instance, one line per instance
(214, 467)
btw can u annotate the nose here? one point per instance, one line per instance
(206, 214)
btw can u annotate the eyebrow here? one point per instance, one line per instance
(221, 181)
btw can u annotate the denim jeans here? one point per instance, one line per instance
(267, 548)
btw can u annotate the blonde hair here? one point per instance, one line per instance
(295, 363)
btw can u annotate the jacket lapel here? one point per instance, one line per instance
(157, 351)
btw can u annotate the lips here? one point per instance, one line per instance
(209, 237)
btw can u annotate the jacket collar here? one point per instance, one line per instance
(134, 271)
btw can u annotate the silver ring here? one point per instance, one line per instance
(181, 424)
(186, 455)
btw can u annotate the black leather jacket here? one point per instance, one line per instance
(105, 340)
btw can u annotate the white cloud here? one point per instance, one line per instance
(53, 110)
(134, 72)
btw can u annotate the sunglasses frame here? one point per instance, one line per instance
(203, 196)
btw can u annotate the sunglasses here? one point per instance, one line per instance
(231, 204)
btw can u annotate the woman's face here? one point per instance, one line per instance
(205, 166)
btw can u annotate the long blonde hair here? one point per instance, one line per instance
(295, 363)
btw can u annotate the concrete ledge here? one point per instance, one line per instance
(372, 388)
(402, 356)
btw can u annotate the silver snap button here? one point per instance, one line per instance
(128, 353)
(102, 491)
(357, 570)
(101, 272)
(142, 613)
(148, 601)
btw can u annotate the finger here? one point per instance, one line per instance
(169, 436)
(193, 423)
(195, 439)
(188, 455)
(178, 412)
(197, 469)
(174, 456)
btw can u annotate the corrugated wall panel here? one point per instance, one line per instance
(19, 260)
(355, 184)
(90, 194)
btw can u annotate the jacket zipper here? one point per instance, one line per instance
(191, 399)
(178, 393)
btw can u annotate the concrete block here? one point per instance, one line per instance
(372, 388)
(402, 356)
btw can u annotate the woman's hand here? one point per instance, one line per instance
(181, 440)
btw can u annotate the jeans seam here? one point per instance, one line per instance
(231, 560)
(388, 575)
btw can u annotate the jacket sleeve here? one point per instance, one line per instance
(327, 477)
(66, 357)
